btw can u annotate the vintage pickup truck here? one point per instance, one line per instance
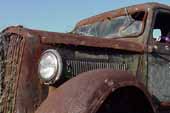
(115, 62)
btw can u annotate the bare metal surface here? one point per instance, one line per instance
(86, 92)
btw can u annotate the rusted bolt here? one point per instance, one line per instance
(110, 83)
(106, 80)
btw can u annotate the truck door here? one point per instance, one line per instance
(159, 59)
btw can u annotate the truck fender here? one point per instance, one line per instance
(89, 91)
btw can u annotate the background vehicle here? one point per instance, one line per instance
(118, 61)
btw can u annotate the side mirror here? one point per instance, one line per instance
(157, 34)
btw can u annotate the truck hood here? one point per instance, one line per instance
(77, 40)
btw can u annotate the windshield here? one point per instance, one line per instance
(123, 26)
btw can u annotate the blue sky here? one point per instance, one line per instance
(57, 15)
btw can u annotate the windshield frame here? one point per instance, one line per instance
(115, 14)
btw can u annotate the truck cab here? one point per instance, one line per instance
(114, 62)
(147, 25)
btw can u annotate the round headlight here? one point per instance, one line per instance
(50, 66)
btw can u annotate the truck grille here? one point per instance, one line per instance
(11, 49)
(78, 66)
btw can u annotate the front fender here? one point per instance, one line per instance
(86, 92)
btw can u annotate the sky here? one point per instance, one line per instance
(57, 15)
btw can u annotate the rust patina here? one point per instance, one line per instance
(70, 39)
(88, 91)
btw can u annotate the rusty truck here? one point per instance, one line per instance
(114, 62)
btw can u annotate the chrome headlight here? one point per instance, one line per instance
(50, 66)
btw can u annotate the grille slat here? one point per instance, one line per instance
(78, 66)
(12, 52)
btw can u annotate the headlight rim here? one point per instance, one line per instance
(57, 74)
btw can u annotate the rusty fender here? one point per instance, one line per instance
(86, 92)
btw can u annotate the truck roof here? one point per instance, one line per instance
(121, 11)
